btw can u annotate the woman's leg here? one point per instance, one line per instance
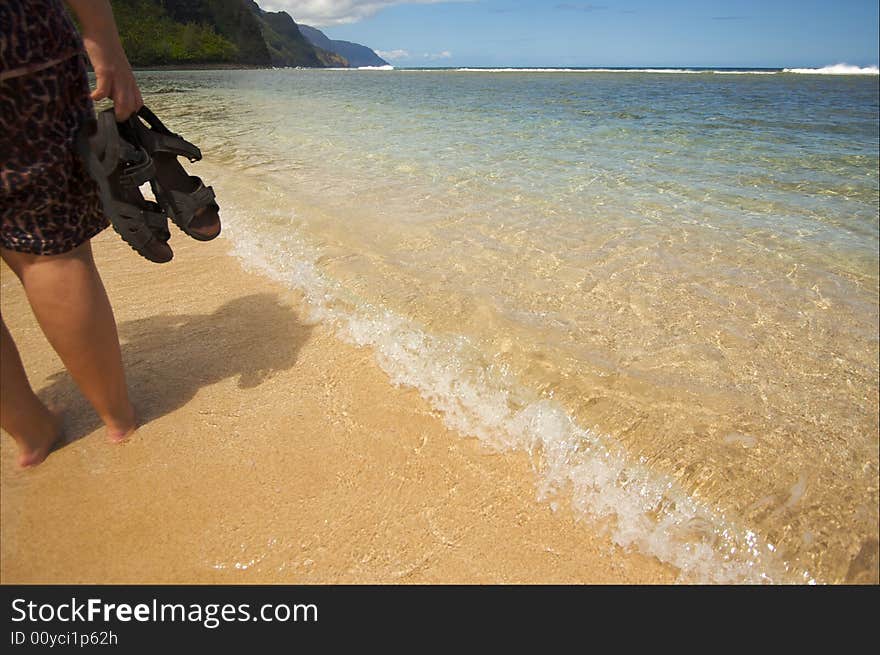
(71, 306)
(30, 423)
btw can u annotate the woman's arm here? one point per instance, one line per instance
(112, 70)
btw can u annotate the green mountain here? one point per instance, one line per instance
(153, 37)
(214, 32)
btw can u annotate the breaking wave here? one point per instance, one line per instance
(640, 508)
(835, 69)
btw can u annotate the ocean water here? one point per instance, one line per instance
(663, 286)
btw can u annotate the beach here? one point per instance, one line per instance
(269, 452)
(455, 313)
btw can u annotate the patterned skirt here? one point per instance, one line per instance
(49, 204)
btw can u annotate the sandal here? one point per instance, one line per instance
(120, 167)
(189, 203)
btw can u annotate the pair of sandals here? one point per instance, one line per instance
(123, 156)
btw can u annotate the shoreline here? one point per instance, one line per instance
(269, 452)
(200, 67)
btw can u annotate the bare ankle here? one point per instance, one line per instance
(44, 437)
(120, 428)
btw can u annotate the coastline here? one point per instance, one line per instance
(269, 452)
(200, 67)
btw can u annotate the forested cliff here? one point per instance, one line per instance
(215, 32)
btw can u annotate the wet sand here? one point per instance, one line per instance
(270, 452)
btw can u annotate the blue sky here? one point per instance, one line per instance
(772, 33)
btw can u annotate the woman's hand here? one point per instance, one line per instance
(112, 70)
(114, 78)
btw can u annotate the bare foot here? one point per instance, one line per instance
(36, 450)
(119, 431)
(119, 435)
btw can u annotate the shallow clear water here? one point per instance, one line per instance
(665, 287)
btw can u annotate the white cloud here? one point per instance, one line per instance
(336, 12)
(438, 55)
(393, 55)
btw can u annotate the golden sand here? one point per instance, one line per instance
(270, 452)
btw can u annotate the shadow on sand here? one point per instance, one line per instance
(169, 358)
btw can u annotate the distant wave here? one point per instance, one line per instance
(684, 71)
(741, 72)
(359, 68)
(835, 69)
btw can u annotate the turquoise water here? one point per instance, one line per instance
(662, 285)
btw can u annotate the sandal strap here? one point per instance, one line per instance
(105, 142)
(141, 225)
(138, 167)
(112, 151)
(174, 145)
(186, 204)
(156, 220)
(160, 139)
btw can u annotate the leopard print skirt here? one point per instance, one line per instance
(48, 202)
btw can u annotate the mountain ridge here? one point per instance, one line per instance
(286, 43)
(356, 54)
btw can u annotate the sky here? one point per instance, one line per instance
(555, 33)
